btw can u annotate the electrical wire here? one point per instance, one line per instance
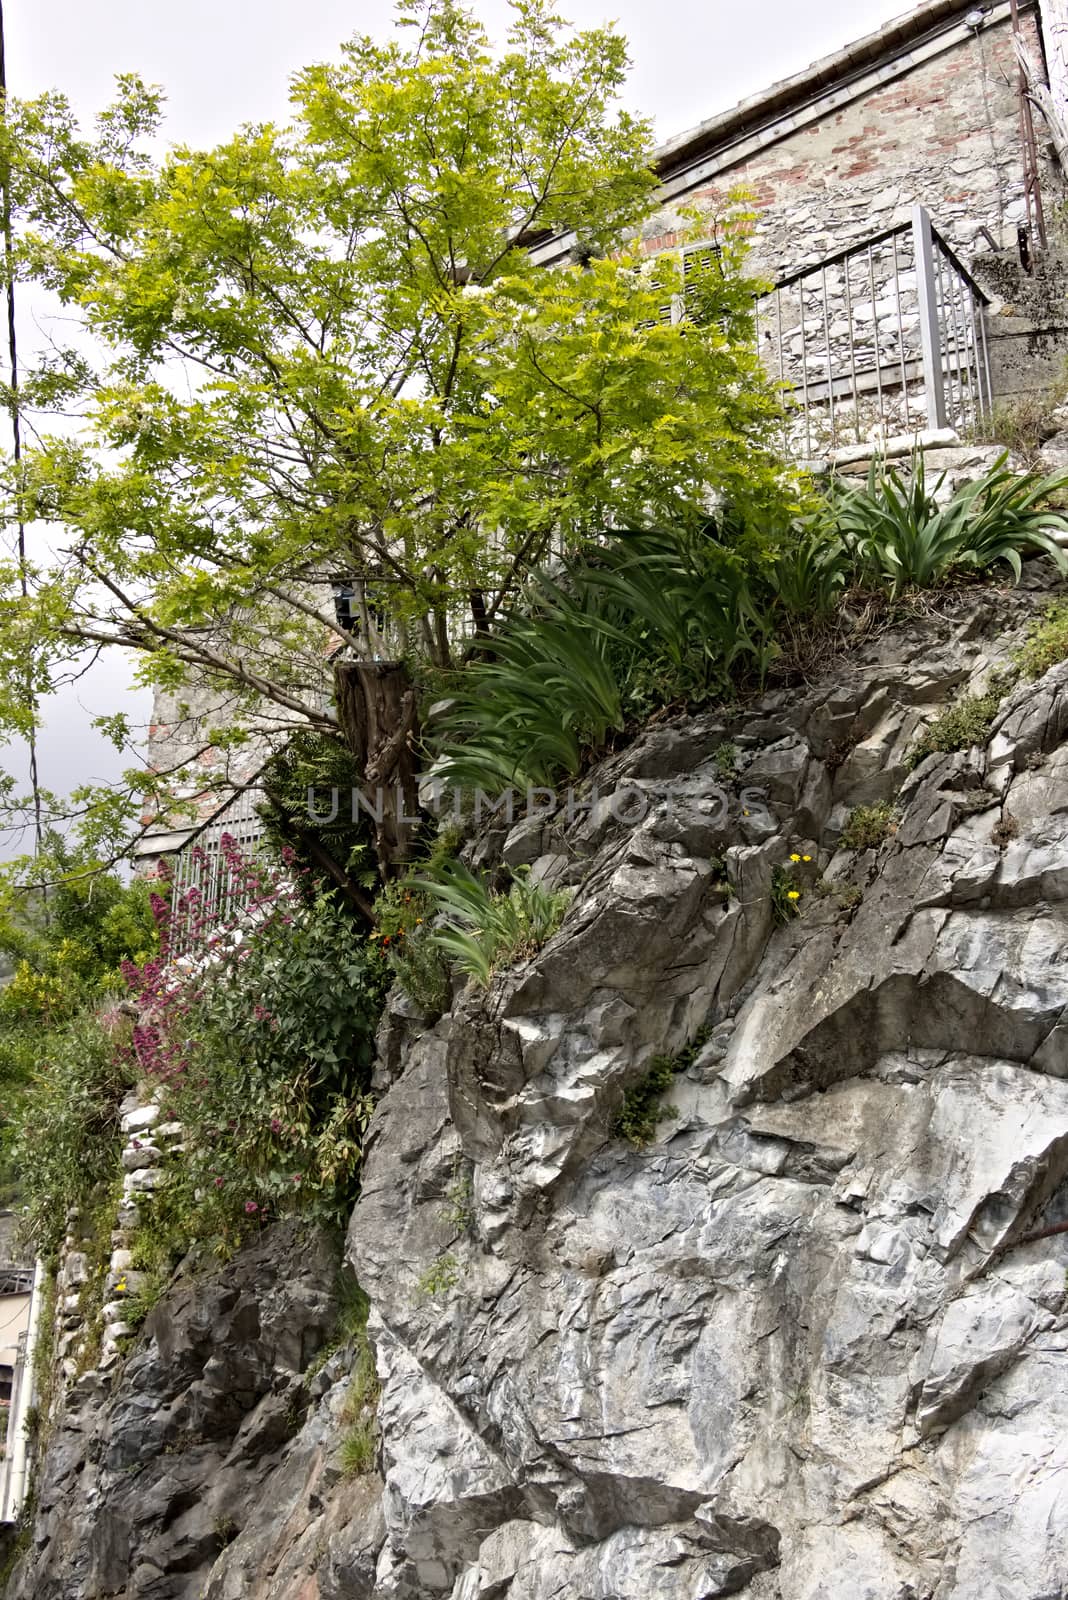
(16, 425)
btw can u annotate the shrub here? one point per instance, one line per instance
(441, 1276)
(900, 535)
(480, 930)
(67, 1139)
(725, 758)
(966, 724)
(263, 1047)
(868, 826)
(66, 954)
(643, 1105)
(642, 619)
(1046, 643)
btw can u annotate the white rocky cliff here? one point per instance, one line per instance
(792, 1348)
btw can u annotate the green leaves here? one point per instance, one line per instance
(565, 671)
(326, 348)
(899, 532)
(480, 930)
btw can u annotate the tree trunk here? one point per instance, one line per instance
(376, 707)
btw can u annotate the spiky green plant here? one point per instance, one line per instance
(900, 533)
(576, 658)
(480, 930)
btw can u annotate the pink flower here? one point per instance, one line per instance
(276, 1126)
(295, 1178)
(218, 1183)
(250, 1207)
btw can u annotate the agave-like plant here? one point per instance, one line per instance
(690, 599)
(899, 532)
(812, 570)
(478, 929)
(672, 608)
(549, 692)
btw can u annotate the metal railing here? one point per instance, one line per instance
(885, 337)
(207, 887)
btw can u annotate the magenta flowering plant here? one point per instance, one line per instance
(260, 1035)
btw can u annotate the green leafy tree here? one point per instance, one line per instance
(62, 1073)
(329, 350)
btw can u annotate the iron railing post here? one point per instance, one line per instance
(930, 332)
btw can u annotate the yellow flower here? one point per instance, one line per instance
(120, 1287)
(793, 894)
(806, 858)
(795, 858)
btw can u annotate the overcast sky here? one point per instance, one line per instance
(224, 62)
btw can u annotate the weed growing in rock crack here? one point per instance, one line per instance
(869, 826)
(1047, 642)
(357, 1455)
(363, 1387)
(480, 930)
(963, 726)
(459, 1212)
(721, 884)
(1004, 830)
(845, 895)
(785, 894)
(725, 759)
(225, 1530)
(643, 1107)
(137, 1307)
(441, 1276)
(349, 1327)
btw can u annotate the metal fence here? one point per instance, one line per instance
(886, 337)
(208, 888)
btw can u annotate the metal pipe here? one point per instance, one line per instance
(973, 340)
(830, 358)
(782, 371)
(986, 360)
(901, 340)
(853, 352)
(875, 338)
(804, 373)
(948, 335)
(930, 333)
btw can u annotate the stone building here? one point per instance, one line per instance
(925, 112)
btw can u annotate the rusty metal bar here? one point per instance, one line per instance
(1036, 221)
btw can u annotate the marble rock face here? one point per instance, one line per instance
(796, 1347)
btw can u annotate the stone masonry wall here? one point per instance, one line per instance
(945, 135)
